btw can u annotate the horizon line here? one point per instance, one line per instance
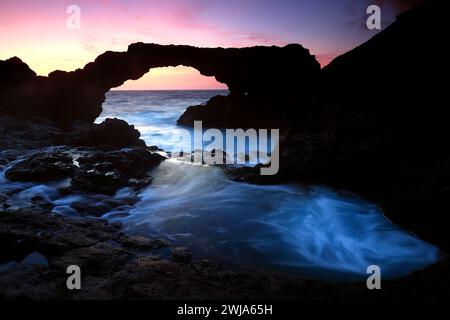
(114, 89)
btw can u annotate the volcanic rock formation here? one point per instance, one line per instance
(379, 126)
(252, 75)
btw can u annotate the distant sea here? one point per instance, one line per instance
(154, 113)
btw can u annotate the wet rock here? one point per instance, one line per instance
(106, 172)
(41, 202)
(94, 181)
(137, 184)
(28, 282)
(182, 255)
(111, 132)
(89, 209)
(3, 201)
(17, 135)
(35, 258)
(131, 162)
(42, 167)
(154, 148)
(142, 243)
(251, 175)
(28, 230)
(114, 267)
(101, 259)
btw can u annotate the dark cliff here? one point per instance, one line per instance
(381, 128)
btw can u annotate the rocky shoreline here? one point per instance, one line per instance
(376, 126)
(39, 245)
(371, 122)
(118, 266)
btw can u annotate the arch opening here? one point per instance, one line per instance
(173, 78)
(154, 102)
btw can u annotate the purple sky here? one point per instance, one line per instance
(36, 31)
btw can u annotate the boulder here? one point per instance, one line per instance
(111, 132)
(42, 167)
(106, 172)
(97, 171)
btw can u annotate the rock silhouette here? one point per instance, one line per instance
(251, 74)
(379, 126)
(384, 123)
(111, 132)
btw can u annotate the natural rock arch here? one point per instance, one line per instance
(255, 72)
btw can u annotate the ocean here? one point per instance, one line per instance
(311, 231)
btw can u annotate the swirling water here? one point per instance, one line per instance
(309, 231)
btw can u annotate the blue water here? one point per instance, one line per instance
(154, 113)
(297, 230)
(312, 231)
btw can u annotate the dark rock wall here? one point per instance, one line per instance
(381, 127)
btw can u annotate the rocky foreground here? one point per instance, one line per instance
(372, 122)
(38, 245)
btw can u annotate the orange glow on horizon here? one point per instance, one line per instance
(36, 32)
(173, 78)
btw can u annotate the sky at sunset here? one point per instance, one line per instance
(36, 31)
